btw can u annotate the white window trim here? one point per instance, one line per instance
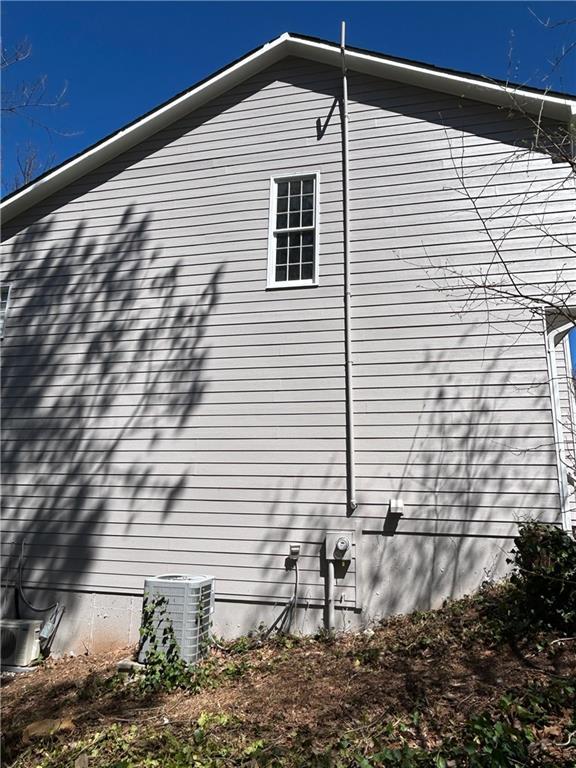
(271, 280)
(6, 308)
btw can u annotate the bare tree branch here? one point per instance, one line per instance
(29, 101)
(549, 24)
(21, 51)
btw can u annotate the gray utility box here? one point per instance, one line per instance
(188, 606)
(20, 641)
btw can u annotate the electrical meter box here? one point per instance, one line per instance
(340, 546)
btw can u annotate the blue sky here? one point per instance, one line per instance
(120, 59)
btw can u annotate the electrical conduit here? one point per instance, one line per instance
(350, 436)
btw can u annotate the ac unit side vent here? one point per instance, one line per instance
(20, 641)
(188, 607)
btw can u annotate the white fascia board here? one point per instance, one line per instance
(555, 107)
(139, 131)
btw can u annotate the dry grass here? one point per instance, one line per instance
(440, 664)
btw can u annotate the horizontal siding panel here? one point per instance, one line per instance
(478, 174)
(251, 566)
(329, 195)
(423, 281)
(301, 366)
(268, 541)
(247, 470)
(477, 528)
(423, 285)
(281, 480)
(310, 434)
(443, 495)
(131, 324)
(370, 350)
(326, 414)
(119, 581)
(542, 455)
(416, 397)
(81, 398)
(324, 518)
(310, 539)
(446, 239)
(232, 193)
(367, 387)
(435, 448)
(392, 270)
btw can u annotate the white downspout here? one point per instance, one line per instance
(350, 435)
(558, 435)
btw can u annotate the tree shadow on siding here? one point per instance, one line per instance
(300, 510)
(456, 448)
(459, 453)
(104, 364)
(474, 469)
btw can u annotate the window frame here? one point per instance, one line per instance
(4, 318)
(275, 180)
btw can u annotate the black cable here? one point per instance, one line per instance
(21, 591)
(288, 611)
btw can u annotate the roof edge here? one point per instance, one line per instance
(141, 128)
(435, 68)
(480, 88)
(555, 105)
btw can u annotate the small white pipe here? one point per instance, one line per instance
(330, 623)
(350, 433)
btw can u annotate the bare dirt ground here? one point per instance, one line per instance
(295, 688)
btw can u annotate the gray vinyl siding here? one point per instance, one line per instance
(263, 368)
(478, 389)
(164, 412)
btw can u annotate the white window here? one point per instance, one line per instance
(293, 238)
(4, 300)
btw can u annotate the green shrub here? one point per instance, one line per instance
(544, 577)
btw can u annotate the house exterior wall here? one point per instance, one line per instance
(164, 412)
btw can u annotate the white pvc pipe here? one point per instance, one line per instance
(330, 622)
(350, 434)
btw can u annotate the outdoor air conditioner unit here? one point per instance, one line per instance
(20, 641)
(188, 605)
